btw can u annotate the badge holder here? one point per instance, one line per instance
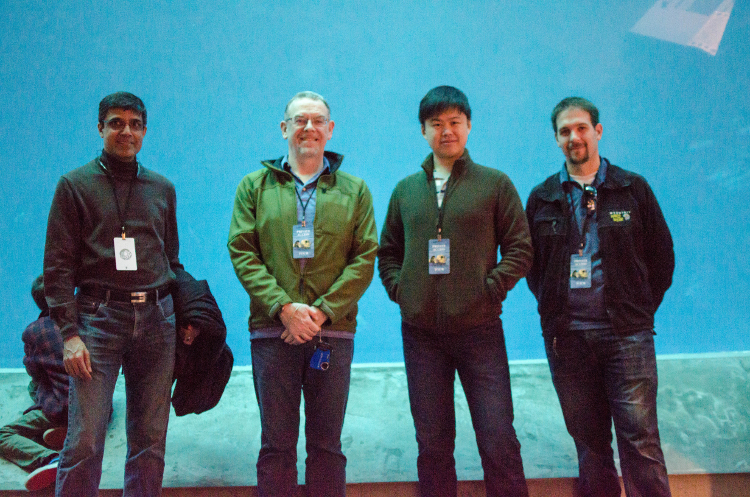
(303, 241)
(439, 256)
(125, 259)
(580, 271)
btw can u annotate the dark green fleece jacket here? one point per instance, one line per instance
(481, 212)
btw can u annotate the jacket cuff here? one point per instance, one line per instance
(65, 317)
(320, 304)
(276, 308)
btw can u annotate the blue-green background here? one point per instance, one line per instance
(215, 77)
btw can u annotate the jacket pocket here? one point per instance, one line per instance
(548, 226)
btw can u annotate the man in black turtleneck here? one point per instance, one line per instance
(112, 235)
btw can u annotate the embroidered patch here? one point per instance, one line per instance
(619, 216)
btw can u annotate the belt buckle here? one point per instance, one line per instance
(138, 297)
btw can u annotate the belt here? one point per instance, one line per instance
(101, 293)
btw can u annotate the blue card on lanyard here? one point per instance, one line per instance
(439, 256)
(303, 242)
(580, 271)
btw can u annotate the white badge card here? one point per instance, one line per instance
(303, 242)
(125, 254)
(580, 271)
(439, 254)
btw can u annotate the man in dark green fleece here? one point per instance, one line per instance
(438, 261)
(303, 244)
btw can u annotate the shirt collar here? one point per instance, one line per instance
(286, 167)
(601, 174)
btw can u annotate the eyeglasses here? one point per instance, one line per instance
(118, 124)
(589, 197)
(301, 121)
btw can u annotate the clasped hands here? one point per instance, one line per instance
(301, 322)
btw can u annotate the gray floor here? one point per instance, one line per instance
(704, 417)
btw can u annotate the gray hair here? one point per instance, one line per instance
(306, 94)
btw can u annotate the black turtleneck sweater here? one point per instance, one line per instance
(84, 221)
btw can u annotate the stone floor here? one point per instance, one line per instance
(704, 417)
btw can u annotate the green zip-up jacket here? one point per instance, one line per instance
(481, 212)
(260, 245)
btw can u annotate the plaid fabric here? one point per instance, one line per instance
(44, 362)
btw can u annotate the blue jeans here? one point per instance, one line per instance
(600, 377)
(479, 357)
(141, 339)
(281, 373)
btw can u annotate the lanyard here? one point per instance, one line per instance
(117, 201)
(441, 207)
(304, 205)
(589, 213)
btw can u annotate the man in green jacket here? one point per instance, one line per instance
(438, 261)
(303, 243)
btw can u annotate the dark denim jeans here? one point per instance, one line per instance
(479, 357)
(601, 376)
(141, 339)
(281, 374)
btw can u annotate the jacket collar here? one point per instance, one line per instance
(334, 162)
(461, 164)
(616, 177)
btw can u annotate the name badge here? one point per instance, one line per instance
(303, 242)
(125, 254)
(580, 271)
(439, 256)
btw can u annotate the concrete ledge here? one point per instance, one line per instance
(720, 485)
(704, 417)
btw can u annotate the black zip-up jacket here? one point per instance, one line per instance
(634, 243)
(201, 370)
(481, 212)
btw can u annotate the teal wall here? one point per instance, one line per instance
(215, 77)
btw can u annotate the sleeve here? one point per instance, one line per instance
(62, 259)
(31, 356)
(512, 233)
(43, 359)
(533, 277)
(659, 252)
(244, 252)
(357, 275)
(171, 238)
(391, 252)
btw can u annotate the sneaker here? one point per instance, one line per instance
(55, 437)
(42, 477)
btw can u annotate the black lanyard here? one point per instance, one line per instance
(581, 233)
(117, 201)
(304, 206)
(441, 207)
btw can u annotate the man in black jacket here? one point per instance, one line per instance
(603, 259)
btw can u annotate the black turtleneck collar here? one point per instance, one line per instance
(119, 168)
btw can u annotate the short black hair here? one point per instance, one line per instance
(121, 100)
(579, 103)
(440, 99)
